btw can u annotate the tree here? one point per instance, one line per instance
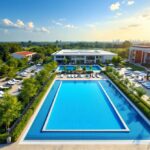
(65, 61)
(11, 72)
(29, 90)
(43, 76)
(116, 60)
(84, 68)
(126, 44)
(12, 62)
(10, 109)
(140, 91)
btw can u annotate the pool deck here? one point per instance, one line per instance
(17, 146)
(78, 145)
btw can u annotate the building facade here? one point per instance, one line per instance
(23, 54)
(139, 54)
(82, 56)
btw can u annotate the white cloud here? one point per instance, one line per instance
(30, 25)
(70, 26)
(7, 22)
(20, 23)
(61, 22)
(43, 29)
(130, 2)
(115, 6)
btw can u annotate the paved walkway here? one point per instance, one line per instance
(16, 146)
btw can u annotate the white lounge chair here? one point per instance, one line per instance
(61, 75)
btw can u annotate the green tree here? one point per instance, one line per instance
(11, 72)
(84, 68)
(10, 109)
(126, 44)
(29, 90)
(12, 62)
(116, 60)
(65, 61)
(140, 91)
(43, 76)
(4, 70)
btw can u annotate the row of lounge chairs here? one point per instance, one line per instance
(81, 76)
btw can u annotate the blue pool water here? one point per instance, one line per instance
(72, 67)
(83, 105)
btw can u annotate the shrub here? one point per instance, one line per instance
(17, 131)
(141, 104)
(3, 138)
(19, 128)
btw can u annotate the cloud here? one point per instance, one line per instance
(7, 24)
(130, 2)
(118, 15)
(20, 23)
(30, 25)
(115, 6)
(59, 23)
(44, 29)
(62, 22)
(70, 26)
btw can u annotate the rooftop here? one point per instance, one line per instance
(141, 46)
(82, 52)
(25, 53)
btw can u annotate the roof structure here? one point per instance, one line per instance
(25, 53)
(81, 52)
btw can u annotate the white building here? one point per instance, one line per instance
(23, 54)
(82, 56)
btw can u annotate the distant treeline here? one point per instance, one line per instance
(78, 45)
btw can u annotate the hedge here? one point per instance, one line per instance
(21, 125)
(3, 138)
(141, 104)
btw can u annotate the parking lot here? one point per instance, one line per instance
(14, 86)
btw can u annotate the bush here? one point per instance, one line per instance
(144, 109)
(3, 138)
(19, 128)
(17, 131)
(141, 104)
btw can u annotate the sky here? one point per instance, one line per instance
(74, 20)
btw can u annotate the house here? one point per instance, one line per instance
(139, 54)
(23, 54)
(82, 56)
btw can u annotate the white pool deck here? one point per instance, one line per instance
(73, 145)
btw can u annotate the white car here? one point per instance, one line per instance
(11, 82)
(1, 92)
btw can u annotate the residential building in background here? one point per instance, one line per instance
(75, 56)
(139, 54)
(23, 54)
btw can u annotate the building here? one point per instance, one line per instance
(23, 54)
(75, 56)
(139, 54)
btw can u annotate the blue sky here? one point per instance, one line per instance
(74, 20)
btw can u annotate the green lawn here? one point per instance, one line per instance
(135, 67)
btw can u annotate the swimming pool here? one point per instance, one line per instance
(72, 67)
(87, 110)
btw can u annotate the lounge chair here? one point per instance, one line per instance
(93, 75)
(61, 75)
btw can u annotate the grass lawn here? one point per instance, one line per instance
(135, 67)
